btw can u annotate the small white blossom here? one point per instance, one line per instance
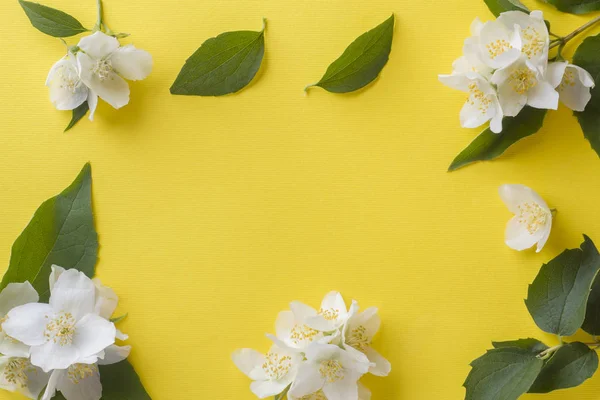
(532, 222)
(535, 39)
(67, 90)
(18, 375)
(497, 45)
(332, 315)
(14, 295)
(573, 84)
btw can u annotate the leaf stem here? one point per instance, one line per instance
(563, 40)
(544, 355)
(99, 21)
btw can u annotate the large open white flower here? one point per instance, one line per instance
(65, 332)
(497, 45)
(573, 84)
(332, 315)
(535, 39)
(330, 369)
(271, 373)
(67, 91)
(104, 66)
(532, 222)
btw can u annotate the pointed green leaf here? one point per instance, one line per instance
(78, 113)
(61, 232)
(532, 345)
(558, 296)
(502, 374)
(222, 65)
(568, 367)
(362, 61)
(591, 324)
(587, 57)
(576, 6)
(489, 145)
(497, 7)
(51, 21)
(116, 320)
(120, 382)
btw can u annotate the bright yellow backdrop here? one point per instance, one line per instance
(214, 213)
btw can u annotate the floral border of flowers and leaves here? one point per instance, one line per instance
(62, 232)
(504, 130)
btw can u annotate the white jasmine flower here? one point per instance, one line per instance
(481, 106)
(66, 331)
(497, 45)
(329, 369)
(358, 335)
(271, 373)
(573, 84)
(291, 329)
(535, 39)
(472, 60)
(363, 394)
(18, 375)
(332, 315)
(520, 84)
(104, 66)
(14, 295)
(532, 221)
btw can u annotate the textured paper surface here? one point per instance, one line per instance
(214, 213)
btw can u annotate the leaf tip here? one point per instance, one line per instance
(264, 21)
(309, 86)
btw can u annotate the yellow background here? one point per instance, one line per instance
(214, 213)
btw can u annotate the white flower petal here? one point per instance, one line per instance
(98, 45)
(13, 348)
(543, 96)
(55, 377)
(284, 324)
(334, 300)
(264, 389)
(55, 273)
(106, 300)
(496, 121)
(92, 103)
(382, 366)
(456, 81)
(518, 237)
(556, 72)
(546, 234)
(308, 381)
(27, 323)
(121, 336)
(345, 389)
(585, 77)
(247, 359)
(67, 92)
(93, 334)
(131, 63)
(73, 292)
(511, 102)
(88, 388)
(112, 88)
(575, 92)
(363, 392)
(302, 311)
(515, 195)
(115, 354)
(500, 46)
(17, 294)
(53, 355)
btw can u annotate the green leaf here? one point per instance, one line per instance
(502, 374)
(568, 367)
(497, 7)
(532, 345)
(61, 232)
(587, 57)
(78, 113)
(362, 61)
(576, 6)
(591, 324)
(120, 382)
(51, 21)
(118, 319)
(222, 65)
(489, 145)
(558, 296)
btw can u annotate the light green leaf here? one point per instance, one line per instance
(120, 382)
(118, 319)
(362, 61)
(78, 113)
(587, 57)
(558, 296)
(532, 345)
(497, 7)
(61, 232)
(568, 367)
(224, 64)
(576, 6)
(502, 374)
(51, 21)
(489, 145)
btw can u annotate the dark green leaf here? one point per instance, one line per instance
(568, 367)
(532, 345)
(61, 232)
(587, 56)
(224, 64)
(51, 21)
(120, 382)
(489, 145)
(558, 296)
(78, 113)
(576, 6)
(497, 7)
(502, 374)
(362, 61)
(591, 324)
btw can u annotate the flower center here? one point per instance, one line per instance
(534, 42)
(522, 80)
(329, 314)
(315, 396)
(476, 96)
(103, 69)
(303, 333)
(78, 372)
(568, 80)
(359, 339)
(69, 79)
(497, 48)
(16, 371)
(532, 216)
(331, 370)
(277, 366)
(61, 329)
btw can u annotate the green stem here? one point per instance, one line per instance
(99, 21)
(562, 41)
(544, 355)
